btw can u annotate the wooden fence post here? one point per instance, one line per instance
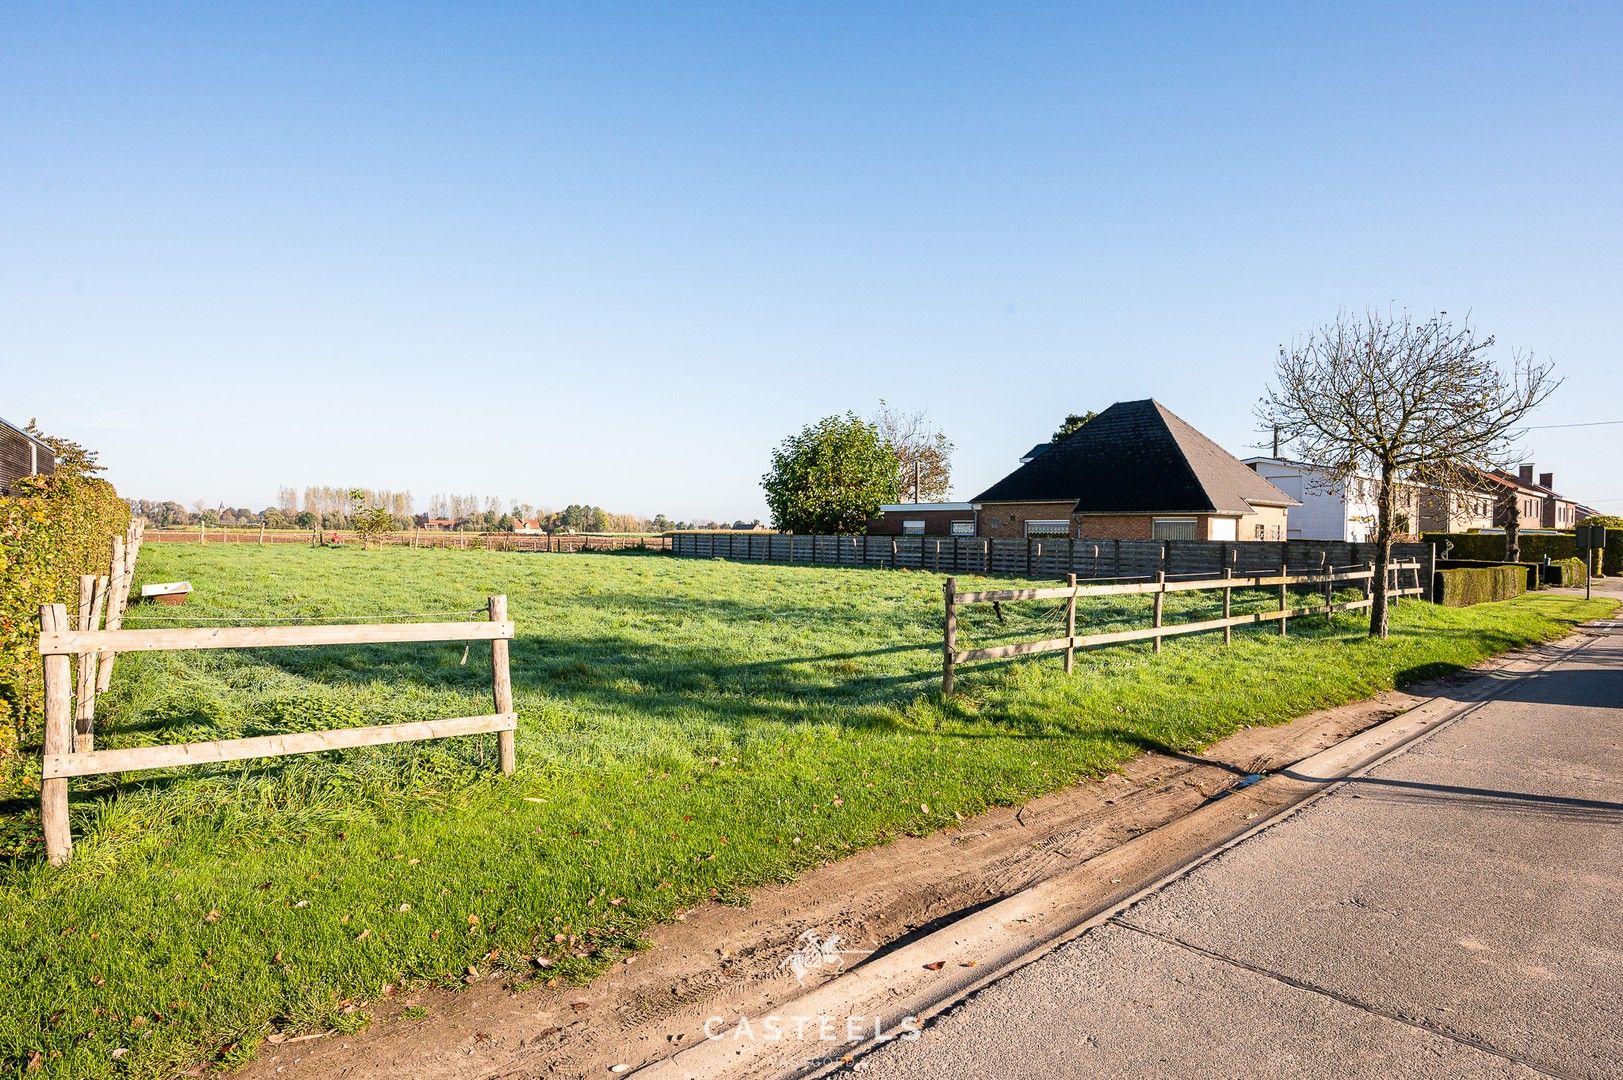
(125, 552)
(1228, 600)
(261, 534)
(84, 719)
(502, 686)
(1284, 595)
(1329, 588)
(53, 793)
(1160, 601)
(988, 556)
(950, 636)
(892, 553)
(115, 611)
(1070, 626)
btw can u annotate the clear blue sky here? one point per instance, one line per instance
(614, 253)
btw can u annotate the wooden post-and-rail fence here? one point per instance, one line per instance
(1325, 576)
(69, 750)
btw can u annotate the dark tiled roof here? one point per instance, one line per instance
(1037, 451)
(1137, 457)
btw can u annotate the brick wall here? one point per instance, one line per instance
(936, 522)
(1009, 519)
(1117, 526)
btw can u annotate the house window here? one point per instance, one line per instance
(1053, 527)
(1262, 532)
(1173, 529)
(963, 528)
(1222, 528)
(912, 528)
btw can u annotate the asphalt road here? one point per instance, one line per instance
(1455, 912)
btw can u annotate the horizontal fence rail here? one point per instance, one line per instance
(137, 758)
(1282, 579)
(1041, 557)
(69, 752)
(174, 639)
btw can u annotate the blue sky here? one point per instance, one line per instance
(615, 252)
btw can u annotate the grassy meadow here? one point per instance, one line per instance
(687, 730)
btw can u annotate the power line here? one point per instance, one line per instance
(1587, 423)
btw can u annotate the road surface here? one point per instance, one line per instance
(1457, 911)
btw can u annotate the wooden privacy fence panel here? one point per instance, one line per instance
(1044, 557)
(69, 752)
(1282, 578)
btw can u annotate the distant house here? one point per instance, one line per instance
(21, 454)
(528, 526)
(1334, 508)
(1136, 471)
(924, 519)
(439, 523)
(1535, 503)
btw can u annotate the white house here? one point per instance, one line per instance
(1331, 509)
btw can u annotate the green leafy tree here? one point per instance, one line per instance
(368, 521)
(1072, 422)
(831, 477)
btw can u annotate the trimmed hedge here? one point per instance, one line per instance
(1565, 573)
(1535, 571)
(53, 530)
(1490, 547)
(1480, 585)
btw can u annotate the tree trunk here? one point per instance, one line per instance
(1513, 538)
(1385, 510)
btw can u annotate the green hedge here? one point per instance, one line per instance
(1463, 588)
(1565, 573)
(1490, 547)
(52, 530)
(1535, 571)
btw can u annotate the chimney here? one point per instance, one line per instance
(1526, 474)
(1547, 479)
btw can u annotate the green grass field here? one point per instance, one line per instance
(687, 730)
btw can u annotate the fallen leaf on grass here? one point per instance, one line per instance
(302, 903)
(364, 934)
(213, 916)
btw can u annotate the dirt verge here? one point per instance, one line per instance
(722, 960)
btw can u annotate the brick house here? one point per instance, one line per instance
(1134, 472)
(924, 519)
(1537, 505)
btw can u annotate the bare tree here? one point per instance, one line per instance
(1394, 399)
(924, 453)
